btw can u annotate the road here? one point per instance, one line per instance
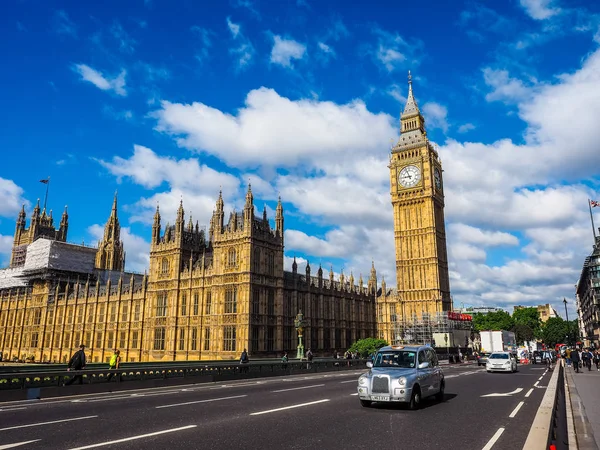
(301, 412)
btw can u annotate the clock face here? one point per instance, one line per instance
(409, 176)
(437, 175)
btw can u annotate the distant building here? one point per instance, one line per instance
(206, 295)
(588, 297)
(478, 310)
(545, 311)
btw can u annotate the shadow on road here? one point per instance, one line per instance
(426, 403)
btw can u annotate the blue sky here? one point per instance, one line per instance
(169, 100)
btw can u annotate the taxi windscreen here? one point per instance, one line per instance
(395, 358)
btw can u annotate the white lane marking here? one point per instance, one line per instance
(516, 410)
(289, 407)
(356, 393)
(47, 423)
(200, 401)
(450, 376)
(540, 378)
(17, 444)
(494, 438)
(132, 438)
(508, 394)
(301, 387)
(536, 383)
(236, 385)
(348, 381)
(12, 409)
(529, 392)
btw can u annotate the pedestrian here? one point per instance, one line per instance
(309, 358)
(568, 357)
(77, 362)
(244, 360)
(576, 358)
(284, 360)
(597, 360)
(113, 365)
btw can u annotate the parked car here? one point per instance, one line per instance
(402, 374)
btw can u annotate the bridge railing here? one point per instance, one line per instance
(197, 370)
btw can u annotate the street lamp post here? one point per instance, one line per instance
(299, 324)
(567, 316)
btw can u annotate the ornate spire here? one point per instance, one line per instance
(249, 196)
(36, 210)
(22, 215)
(320, 271)
(373, 271)
(190, 223)
(220, 204)
(65, 215)
(113, 213)
(265, 213)
(294, 265)
(411, 107)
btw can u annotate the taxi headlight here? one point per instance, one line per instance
(362, 380)
(402, 381)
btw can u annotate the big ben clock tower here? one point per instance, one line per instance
(417, 191)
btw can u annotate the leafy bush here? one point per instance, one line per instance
(364, 347)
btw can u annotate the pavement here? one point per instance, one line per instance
(481, 411)
(586, 402)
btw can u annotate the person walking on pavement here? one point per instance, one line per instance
(284, 361)
(244, 360)
(77, 362)
(309, 358)
(575, 357)
(113, 365)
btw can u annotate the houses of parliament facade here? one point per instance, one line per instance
(208, 296)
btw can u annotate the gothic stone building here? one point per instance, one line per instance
(205, 296)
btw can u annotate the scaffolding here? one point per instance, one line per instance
(440, 329)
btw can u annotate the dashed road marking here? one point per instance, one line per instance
(289, 407)
(132, 438)
(16, 444)
(529, 392)
(516, 410)
(494, 438)
(46, 423)
(300, 387)
(200, 401)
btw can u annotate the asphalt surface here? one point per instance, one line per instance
(301, 412)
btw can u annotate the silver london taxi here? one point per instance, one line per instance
(402, 374)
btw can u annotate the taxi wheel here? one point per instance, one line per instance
(440, 395)
(365, 403)
(415, 399)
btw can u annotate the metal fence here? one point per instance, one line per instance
(201, 372)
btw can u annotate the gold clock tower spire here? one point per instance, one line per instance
(417, 194)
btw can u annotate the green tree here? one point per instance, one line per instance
(555, 331)
(494, 321)
(364, 347)
(523, 333)
(529, 317)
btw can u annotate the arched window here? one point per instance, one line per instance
(164, 268)
(256, 267)
(232, 257)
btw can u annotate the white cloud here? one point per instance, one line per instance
(539, 9)
(137, 249)
(326, 48)
(62, 24)
(394, 52)
(285, 50)
(465, 128)
(477, 236)
(243, 49)
(437, 115)
(505, 89)
(125, 42)
(269, 122)
(116, 84)
(11, 198)
(196, 184)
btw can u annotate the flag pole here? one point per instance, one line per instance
(46, 196)
(592, 219)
